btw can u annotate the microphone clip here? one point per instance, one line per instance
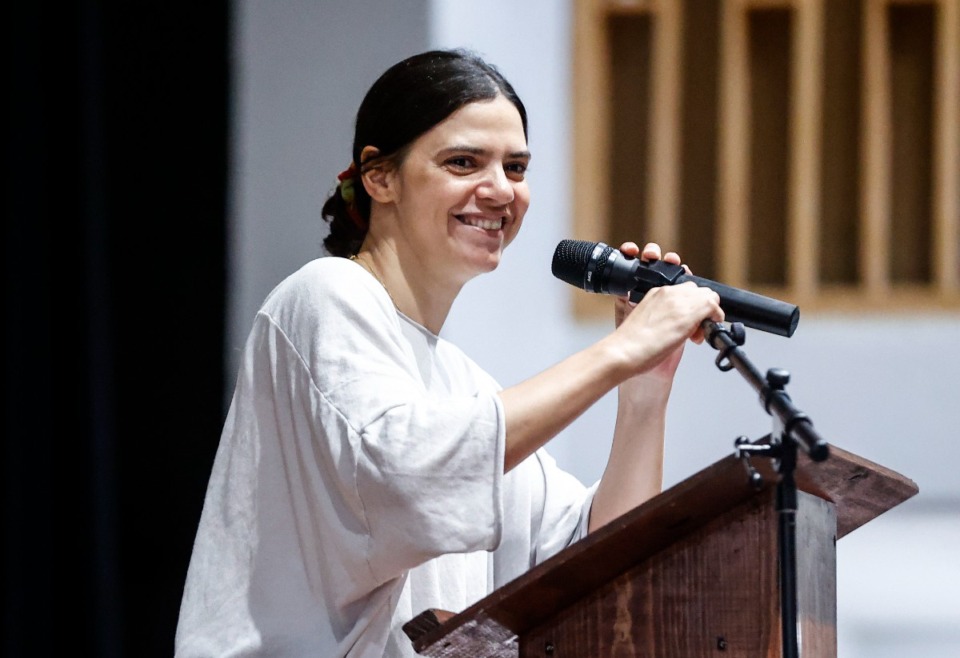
(654, 274)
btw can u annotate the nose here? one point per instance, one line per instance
(496, 187)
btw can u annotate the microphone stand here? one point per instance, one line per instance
(792, 429)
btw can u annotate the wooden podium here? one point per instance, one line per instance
(691, 573)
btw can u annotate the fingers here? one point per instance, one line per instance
(716, 314)
(690, 305)
(630, 249)
(664, 320)
(622, 306)
(652, 251)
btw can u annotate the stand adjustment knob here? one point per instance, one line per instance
(778, 377)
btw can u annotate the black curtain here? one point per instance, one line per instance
(114, 258)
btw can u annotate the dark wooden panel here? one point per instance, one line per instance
(713, 589)
(770, 80)
(630, 40)
(911, 43)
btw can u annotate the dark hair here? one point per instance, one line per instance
(409, 99)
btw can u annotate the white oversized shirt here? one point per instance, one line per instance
(359, 481)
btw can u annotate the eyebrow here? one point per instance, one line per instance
(475, 150)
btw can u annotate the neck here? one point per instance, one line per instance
(414, 289)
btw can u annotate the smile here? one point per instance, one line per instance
(485, 223)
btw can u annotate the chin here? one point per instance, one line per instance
(492, 264)
(481, 265)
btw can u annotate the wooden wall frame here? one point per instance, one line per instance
(876, 286)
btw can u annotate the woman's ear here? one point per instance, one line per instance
(379, 180)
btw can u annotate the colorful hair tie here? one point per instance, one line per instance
(346, 182)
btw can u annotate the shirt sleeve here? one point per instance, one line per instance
(547, 509)
(422, 470)
(566, 509)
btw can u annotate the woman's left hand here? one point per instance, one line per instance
(623, 306)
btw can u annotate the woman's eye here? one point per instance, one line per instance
(517, 168)
(460, 162)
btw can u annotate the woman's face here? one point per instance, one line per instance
(462, 192)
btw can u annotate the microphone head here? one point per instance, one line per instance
(571, 260)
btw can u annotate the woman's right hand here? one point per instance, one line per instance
(662, 322)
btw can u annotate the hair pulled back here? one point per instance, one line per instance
(407, 100)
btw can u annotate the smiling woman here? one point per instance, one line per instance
(368, 469)
(445, 212)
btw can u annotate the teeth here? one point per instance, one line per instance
(486, 224)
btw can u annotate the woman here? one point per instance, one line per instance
(368, 469)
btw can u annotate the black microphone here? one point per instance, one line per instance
(597, 267)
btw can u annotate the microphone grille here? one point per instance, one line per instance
(570, 261)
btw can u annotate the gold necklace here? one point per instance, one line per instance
(376, 276)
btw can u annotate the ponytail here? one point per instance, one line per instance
(348, 211)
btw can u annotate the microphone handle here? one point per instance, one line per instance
(752, 310)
